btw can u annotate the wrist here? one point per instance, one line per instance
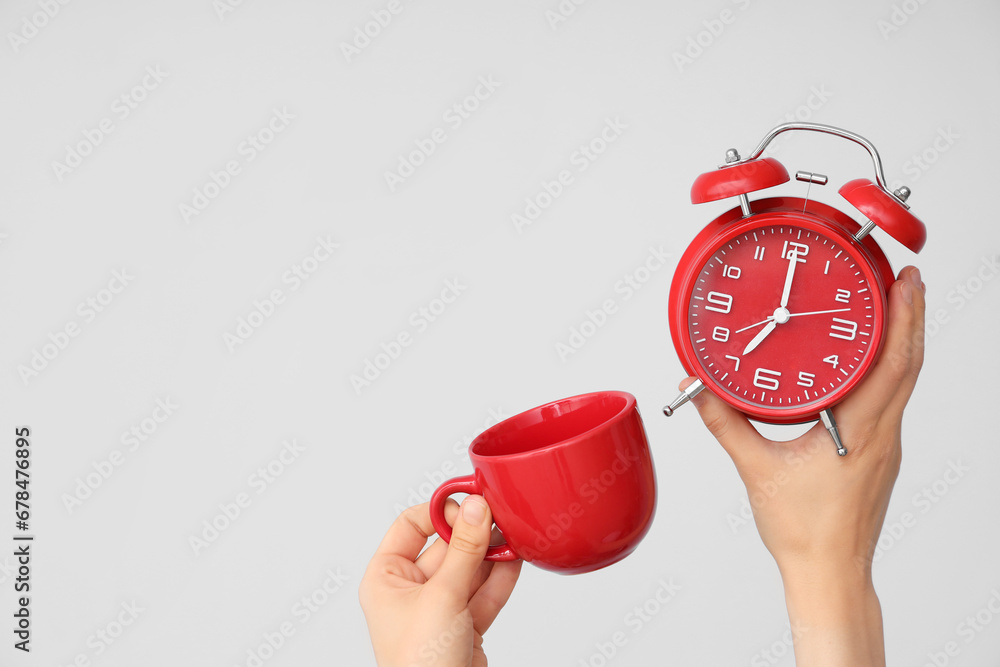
(834, 613)
(806, 573)
(840, 592)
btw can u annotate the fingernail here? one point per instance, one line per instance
(915, 277)
(473, 511)
(907, 292)
(923, 287)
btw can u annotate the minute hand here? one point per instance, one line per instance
(793, 259)
(819, 312)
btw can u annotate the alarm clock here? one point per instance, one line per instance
(778, 306)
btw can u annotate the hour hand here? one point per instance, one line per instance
(761, 335)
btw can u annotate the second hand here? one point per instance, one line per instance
(756, 324)
(819, 312)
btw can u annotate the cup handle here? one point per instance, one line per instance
(466, 484)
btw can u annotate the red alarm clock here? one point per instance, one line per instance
(778, 306)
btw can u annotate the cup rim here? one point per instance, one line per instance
(630, 404)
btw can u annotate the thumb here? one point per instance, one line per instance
(470, 538)
(729, 426)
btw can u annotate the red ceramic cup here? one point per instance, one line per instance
(570, 483)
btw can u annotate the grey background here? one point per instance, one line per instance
(493, 349)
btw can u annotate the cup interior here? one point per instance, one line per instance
(551, 424)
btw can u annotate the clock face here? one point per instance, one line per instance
(784, 317)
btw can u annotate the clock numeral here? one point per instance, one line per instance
(721, 302)
(833, 360)
(847, 329)
(720, 334)
(733, 272)
(800, 250)
(766, 379)
(758, 254)
(805, 379)
(843, 296)
(827, 269)
(736, 359)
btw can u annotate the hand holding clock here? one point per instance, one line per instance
(822, 523)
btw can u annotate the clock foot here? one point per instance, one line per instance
(689, 392)
(826, 416)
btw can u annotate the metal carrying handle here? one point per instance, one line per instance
(837, 132)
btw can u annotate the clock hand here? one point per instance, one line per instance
(819, 312)
(767, 330)
(755, 324)
(793, 259)
(764, 333)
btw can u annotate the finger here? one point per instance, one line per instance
(470, 537)
(493, 594)
(484, 571)
(486, 568)
(430, 560)
(917, 333)
(432, 557)
(408, 533)
(729, 426)
(894, 375)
